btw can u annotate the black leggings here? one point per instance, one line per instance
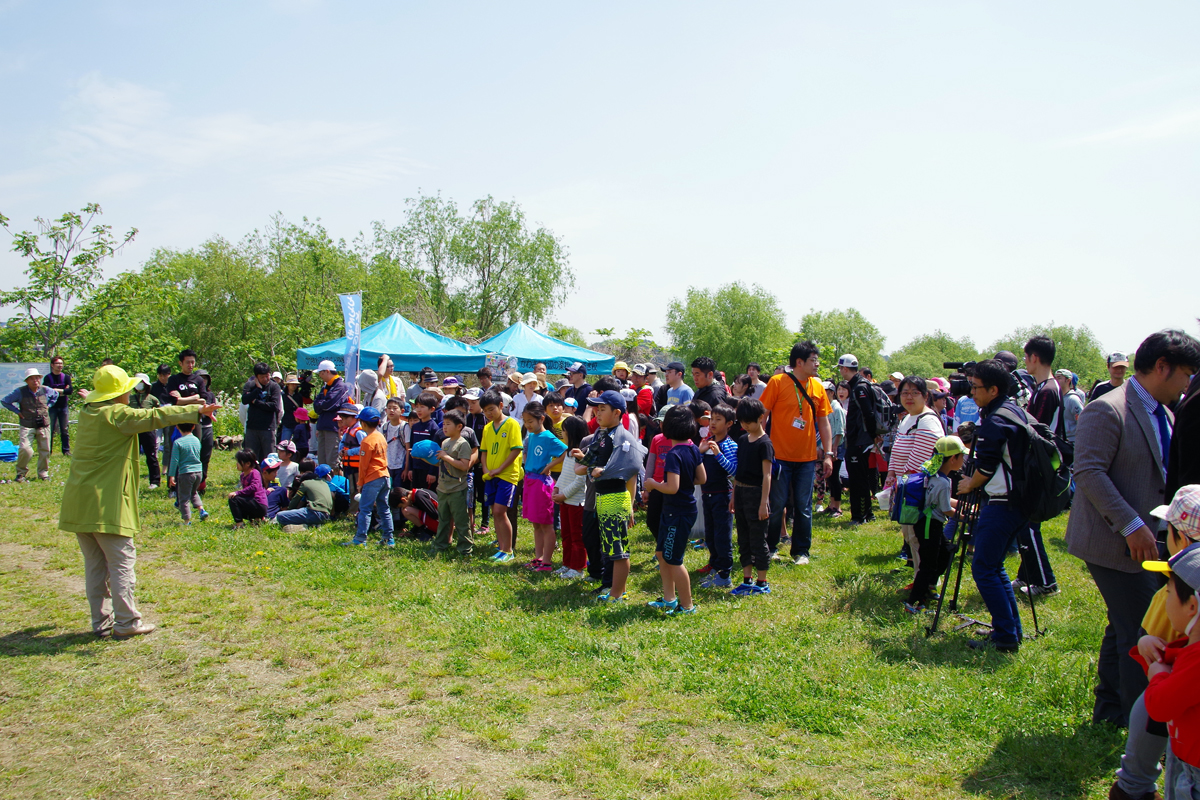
(244, 508)
(934, 555)
(834, 482)
(861, 479)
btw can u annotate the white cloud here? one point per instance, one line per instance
(1177, 125)
(128, 136)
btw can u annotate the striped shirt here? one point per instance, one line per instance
(915, 439)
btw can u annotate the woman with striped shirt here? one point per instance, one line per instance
(916, 436)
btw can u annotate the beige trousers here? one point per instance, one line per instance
(28, 437)
(108, 575)
(914, 545)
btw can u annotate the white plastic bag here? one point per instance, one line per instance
(885, 500)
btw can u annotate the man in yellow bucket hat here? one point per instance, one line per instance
(100, 499)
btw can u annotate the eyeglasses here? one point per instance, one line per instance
(912, 393)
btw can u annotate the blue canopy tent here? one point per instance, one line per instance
(410, 346)
(529, 346)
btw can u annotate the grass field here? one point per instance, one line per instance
(286, 666)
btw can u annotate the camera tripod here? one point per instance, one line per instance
(965, 517)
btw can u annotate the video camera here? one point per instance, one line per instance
(961, 387)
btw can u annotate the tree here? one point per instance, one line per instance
(566, 333)
(1076, 349)
(505, 273)
(634, 346)
(733, 325)
(925, 354)
(839, 332)
(65, 258)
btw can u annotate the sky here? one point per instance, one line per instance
(964, 166)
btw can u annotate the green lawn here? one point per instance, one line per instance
(286, 666)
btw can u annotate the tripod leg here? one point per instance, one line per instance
(937, 615)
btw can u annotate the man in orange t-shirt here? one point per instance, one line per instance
(374, 481)
(799, 410)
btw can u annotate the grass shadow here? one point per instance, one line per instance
(31, 642)
(1063, 764)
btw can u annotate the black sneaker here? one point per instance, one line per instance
(988, 644)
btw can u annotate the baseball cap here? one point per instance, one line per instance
(639, 369)
(287, 444)
(1063, 373)
(677, 366)
(571, 402)
(848, 360)
(576, 367)
(277, 375)
(888, 387)
(326, 366)
(369, 414)
(651, 369)
(473, 394)
(1185, 564)
(143, 378)
(1183, 512)
(897, 377)
(950, 446)
(830, 386)
(608, 398)
(1008, 358)
(349, 410)
(629, 395)
(323, 470)
(1118, 360)
(272, 461)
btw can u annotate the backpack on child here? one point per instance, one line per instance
(1042, 490)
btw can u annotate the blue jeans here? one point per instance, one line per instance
(998, 524)
(301, 516)
(795, 479)
(718, 531)
(374, 497)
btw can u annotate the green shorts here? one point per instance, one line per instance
(612, 515)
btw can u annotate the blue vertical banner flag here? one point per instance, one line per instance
(352, 315)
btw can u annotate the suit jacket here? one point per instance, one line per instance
(1118, 475)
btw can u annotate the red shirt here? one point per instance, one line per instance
(1175, 697)
(593, 424)
(645, 400)
(660, 446)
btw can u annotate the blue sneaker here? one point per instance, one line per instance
(675, 612)
(203, 515)
(744, 589)
(388, 543)
(764, 589)
(718, 582)
(608, 598)
(354, 543)
(503, 557)
(700, 546)
(601, 598)
(663, 605)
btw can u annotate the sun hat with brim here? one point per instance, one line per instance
(32, 372)
(110, 382)
(528, 378)
(620, 365)
(950, 446)
(292, 379)
(1185, 564)
(1183, 512)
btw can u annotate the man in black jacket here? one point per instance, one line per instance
(860, 439)
(265, 407)
(704, 371)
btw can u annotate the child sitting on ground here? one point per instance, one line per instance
(288, 467)
(1174, 690)
(543, 451)
(684, 469)
(311, 501)
(276, 495)
(454, 474)
(185, 473)
(932, 554)
(751, 493)
(250, 501)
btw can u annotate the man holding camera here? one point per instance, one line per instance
(999, 520)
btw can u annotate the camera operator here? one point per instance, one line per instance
(999, 521)
(861, 438)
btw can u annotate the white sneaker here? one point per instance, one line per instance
(560, 572)
(776, 557)
(801, 561)
(154, 486)
(572, 574)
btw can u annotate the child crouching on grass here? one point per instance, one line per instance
(751, 492)
(250, 501)
(543, 451)
(683, 471)
(1174, 690)
(932, 555)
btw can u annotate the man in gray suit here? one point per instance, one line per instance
(1121, 445)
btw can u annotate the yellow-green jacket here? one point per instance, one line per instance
(101, 494)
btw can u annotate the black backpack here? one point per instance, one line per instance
(886, 413)
(1042, 490)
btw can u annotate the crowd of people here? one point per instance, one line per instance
(456, 466)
